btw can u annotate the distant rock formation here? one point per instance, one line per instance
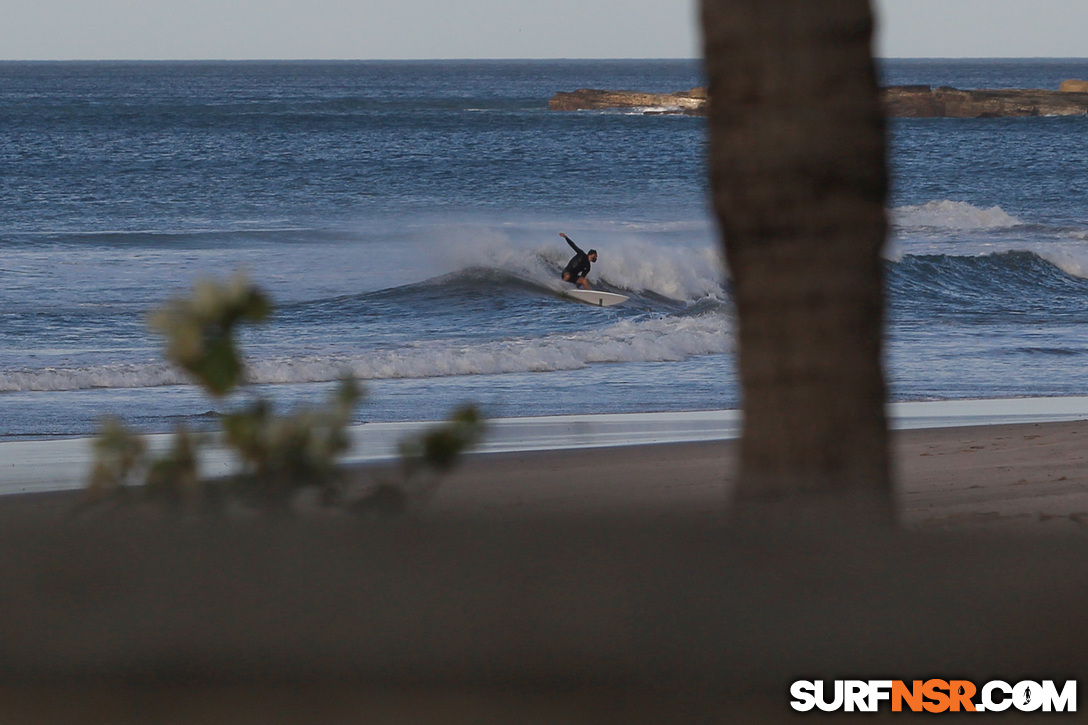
(946, 102)
(902, 101)
(1073, 86)
(691, 103)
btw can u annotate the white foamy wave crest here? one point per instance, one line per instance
(952, 215)
(679, 274)
(657, 340)
(84, 378)
(1072, 261)
(628, 263)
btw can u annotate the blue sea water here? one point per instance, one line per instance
(404, 216)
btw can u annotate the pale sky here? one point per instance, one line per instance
(399, 29)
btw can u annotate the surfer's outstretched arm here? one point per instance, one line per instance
(571, 243)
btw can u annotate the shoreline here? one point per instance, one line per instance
(1014, 477)
(1018, 464)
(38, 466)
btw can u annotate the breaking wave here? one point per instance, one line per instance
(627, 263)
(952, 215)
(1014, 285)
(649, 340)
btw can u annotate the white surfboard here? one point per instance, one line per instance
(596, 298)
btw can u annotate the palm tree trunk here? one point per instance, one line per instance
(799, 186)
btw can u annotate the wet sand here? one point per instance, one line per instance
(1025, 476)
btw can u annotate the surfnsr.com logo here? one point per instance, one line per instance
(933, 696)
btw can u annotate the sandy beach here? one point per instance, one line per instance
(589, 585)
(1026, 476)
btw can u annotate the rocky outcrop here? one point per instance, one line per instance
(1073, 86)
(902, 101)
(946, 102)
(692, 102)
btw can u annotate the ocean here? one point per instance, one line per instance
(405, 218)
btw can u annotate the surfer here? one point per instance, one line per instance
(578, 267)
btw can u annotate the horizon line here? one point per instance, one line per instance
(486, 59)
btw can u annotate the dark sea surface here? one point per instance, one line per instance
(405, 215)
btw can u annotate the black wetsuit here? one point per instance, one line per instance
(579, 264)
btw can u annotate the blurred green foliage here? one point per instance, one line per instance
(440, 447)
(278, 456)
(199, 330)
(175, 477)
(282, 454)
(120, 459)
